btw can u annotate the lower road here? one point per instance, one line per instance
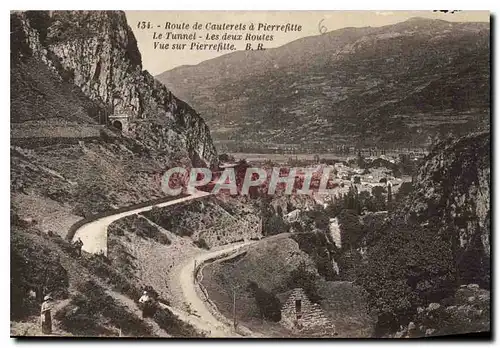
(94, 237)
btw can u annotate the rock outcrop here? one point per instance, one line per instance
(452, 193)
(97, 51)
(467, 311)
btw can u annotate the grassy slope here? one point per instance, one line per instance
(95, 296)
(77, 176)
(37, 93)
(342, 301)
(217, 220)
(84, 290)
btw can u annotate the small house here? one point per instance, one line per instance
(298, 313)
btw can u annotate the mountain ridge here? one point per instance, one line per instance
(390, 86)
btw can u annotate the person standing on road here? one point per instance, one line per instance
(78, 246)
(46, 315)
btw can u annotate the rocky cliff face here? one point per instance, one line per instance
(452, 192)
(97, 51)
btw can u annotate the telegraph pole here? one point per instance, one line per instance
(234, 308)
(194, 272)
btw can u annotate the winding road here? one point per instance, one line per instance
(94, 236)
(204, 319)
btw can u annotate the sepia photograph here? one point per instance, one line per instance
(250, 174)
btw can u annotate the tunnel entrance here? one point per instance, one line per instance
(119, 122)
(118, 125)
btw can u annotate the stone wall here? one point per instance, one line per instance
(122, 119)
(311, 315)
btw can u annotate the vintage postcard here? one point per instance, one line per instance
(319, 174)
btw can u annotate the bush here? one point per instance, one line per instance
(120, 279)
(268, 304)
(141, 227)
(169, 219)
(144, 229)
(373, 228)
(302, 278)
(351, 229)
(318, 217)
(272, 222)
(201, 243)
(77, 318)
(468, 311)
(224, 157)
(37, 268)
(317, 246)
(86, 310)
(170, 323)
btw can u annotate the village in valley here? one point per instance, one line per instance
(363, 171)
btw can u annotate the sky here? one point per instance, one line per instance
(157, 60)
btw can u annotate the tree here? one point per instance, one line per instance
(37, 268)
(360, 160)
(407, 267)
(320, 249)
(379, 199)
(301, 277)
(350, 228)
(351, 201)
(268, 304)
(366, 201)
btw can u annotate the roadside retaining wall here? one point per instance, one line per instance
(203, 293)
(72, 230)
